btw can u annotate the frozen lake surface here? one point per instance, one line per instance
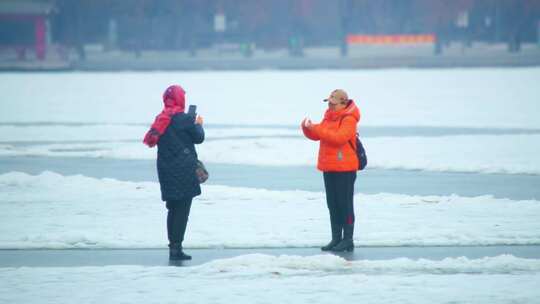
(479, 98)
(448, 210)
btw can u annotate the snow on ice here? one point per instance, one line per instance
(283, 279)
(54, 211)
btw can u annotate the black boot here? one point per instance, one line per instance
(347, 243)
(331, 245)
(336, 237)
(177, 254)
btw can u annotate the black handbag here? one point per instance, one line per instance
(201, 172)
(360, 153)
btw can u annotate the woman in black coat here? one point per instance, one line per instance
(176, 134)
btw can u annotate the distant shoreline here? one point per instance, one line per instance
(278, 64)
(368, 58)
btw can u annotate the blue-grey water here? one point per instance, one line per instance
(159, 257)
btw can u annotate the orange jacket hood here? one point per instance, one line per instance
(351, 109)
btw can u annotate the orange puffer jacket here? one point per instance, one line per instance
(336, 130)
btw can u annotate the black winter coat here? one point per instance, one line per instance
(177, 158)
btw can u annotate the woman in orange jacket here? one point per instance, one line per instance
(338, 162)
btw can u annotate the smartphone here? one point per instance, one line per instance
(192, 111)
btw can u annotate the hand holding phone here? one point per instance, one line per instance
(192, 111)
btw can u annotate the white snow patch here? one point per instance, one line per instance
(54, 211)
(283, 279)
(331, 264)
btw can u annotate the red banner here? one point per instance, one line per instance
(390, 39)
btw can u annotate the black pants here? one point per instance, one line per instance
(177, 219)
(339, 188)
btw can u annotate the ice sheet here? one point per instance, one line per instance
(490, 97)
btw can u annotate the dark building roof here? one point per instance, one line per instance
(25, 7)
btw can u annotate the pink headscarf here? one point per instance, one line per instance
(174, 99)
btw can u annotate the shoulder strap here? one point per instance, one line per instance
(350, 143)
